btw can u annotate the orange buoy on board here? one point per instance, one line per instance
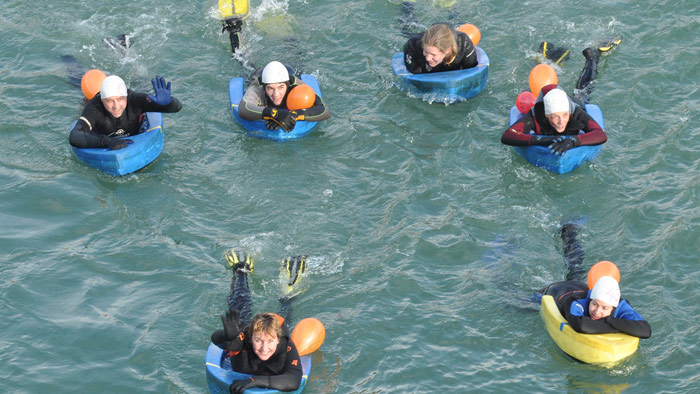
(301, 97)
(308, 335)
(91, 82)
(602, 268)
(542, 75)
(472, 31)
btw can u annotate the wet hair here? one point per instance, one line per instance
(443, 38)
(265, 322)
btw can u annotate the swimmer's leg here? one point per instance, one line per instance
(119, 43)
(234, 27)
(240, 297)
(555, 54)
(409, 24)
(573, 252)
(586, 81)
(74, 70)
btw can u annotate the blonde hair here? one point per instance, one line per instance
(266, 322)
(443, 38)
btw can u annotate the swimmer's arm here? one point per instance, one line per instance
(318, 112)
(515, 135)
(593, 133)
(252, 103)
(219, 339)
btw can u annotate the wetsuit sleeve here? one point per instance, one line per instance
(469, 60)
(252, 103)
(218, 338)
(290, 378)
(82, 134)
(636, 328)
(593, 133)
(413, 55)
(319, 111)
(517, 134)
(584, 324)
(627, 320)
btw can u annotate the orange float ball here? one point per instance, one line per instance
(602, 268)
(542, 75)
(301, 97)
(308, 335)
(525, 101)
(91, 83)
(472, 31)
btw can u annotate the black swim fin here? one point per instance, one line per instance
(558, 55)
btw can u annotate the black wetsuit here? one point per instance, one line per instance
(416, 63)
(96, 122)
(283, 370)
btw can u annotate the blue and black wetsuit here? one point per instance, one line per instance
(572, 298)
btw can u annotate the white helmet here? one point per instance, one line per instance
(275, 72)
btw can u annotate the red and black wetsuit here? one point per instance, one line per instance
(416, 63)
(96, 121)
(282, 371)
(535, 120)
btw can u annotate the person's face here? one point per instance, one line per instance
(599, 309)
(558, 120)
(433, 55)
(264, 344)
(276, 92)
(115, 105)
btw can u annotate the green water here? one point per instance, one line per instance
(423, 230)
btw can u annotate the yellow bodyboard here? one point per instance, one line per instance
(234, 8)
(604, 349)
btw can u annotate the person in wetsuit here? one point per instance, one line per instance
(557, 120)
(116, 112)
(266, 99)
(552, 117)
(596, 311)
(440, 48)
(263, 347)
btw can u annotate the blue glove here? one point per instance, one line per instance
(563, 144)
(162, 91)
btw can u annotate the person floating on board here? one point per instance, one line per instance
(261, 348)
(116, 112)
(555, 114)
(440, 48)
(598, 310)
(266, 98)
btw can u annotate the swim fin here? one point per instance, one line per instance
(294, 268)
(555, 54)
(239, 260)
(609, 45)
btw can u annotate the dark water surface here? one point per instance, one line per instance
(424, 231)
